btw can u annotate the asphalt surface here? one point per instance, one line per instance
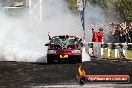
(39, 75)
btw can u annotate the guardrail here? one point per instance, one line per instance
(110, 50)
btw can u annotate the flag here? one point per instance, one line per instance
(80, 5)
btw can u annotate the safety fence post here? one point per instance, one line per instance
(90, 46)
(120, 51)
(116, 51)
(102, 49)
(125, 50)
(109, 50)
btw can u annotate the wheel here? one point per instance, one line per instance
(79, 60)
(75, 60)
(82, 80)
(49, 60)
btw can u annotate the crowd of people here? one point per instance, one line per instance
(122, 32)
(113, 33)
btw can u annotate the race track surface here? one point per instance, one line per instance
(39, 75)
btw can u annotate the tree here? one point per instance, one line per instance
(114, 9)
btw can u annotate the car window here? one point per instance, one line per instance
(55, 41)
(69, 41)
(72, 41)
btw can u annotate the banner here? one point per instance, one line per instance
(80, 5)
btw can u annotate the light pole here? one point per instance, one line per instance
(81, 8)
(83, 16)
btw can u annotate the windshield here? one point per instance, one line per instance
(69, 41)
(72, 41)
(55, 41)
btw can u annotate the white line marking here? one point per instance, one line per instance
(86, 86)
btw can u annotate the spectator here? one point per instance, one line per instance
(121, 35)
(114, 33)
(127, 35)
(94, 36)
(100, 35)
(130, 33)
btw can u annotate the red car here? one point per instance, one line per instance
(64, 49)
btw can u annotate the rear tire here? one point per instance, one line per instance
(49, 60)
(76, 60)
(82, 80)
(79, 60)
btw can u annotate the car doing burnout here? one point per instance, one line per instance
(64, 49)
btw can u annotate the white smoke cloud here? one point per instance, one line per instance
(94, 17)
(24, 40)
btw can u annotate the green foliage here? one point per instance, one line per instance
(125, 10)
(119, 9)
(72, 5)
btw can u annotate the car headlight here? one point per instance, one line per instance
(76, 51)
(51, 51)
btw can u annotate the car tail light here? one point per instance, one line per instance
(51, 52)
(76, 51)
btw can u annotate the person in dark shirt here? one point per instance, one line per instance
(130, 34)
(127, 35)
(122, 36)
(116, 35)
(49, 36)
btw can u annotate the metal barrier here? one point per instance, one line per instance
(110, 50)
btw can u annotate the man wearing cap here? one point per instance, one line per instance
(100, 35)
(95, 36)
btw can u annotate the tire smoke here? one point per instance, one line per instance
(24, 40)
